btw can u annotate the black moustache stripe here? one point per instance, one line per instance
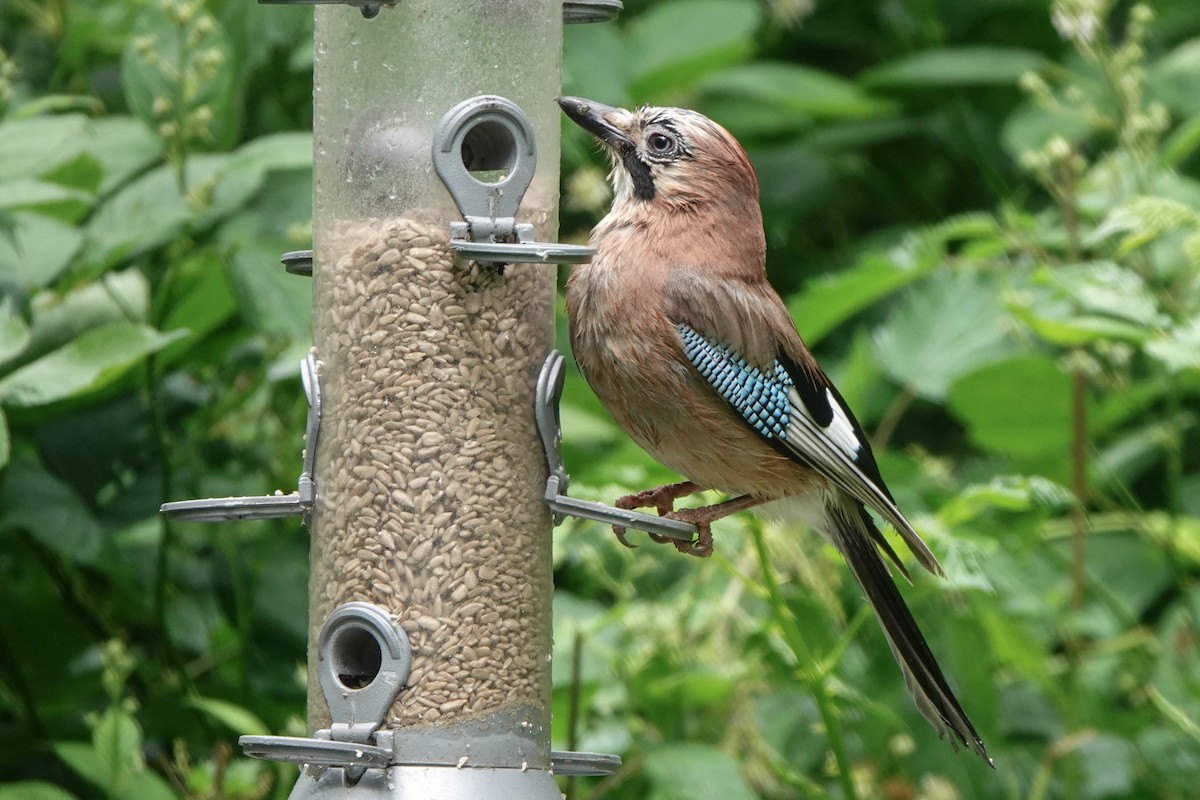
(639, 172)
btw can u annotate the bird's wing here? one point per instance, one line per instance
(741, 340)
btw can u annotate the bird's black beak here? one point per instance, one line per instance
(594, 118)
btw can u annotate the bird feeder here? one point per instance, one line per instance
(431, 474)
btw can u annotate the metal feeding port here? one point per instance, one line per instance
(489, 134)
(363, 661)
(298, 503)
(549, 393)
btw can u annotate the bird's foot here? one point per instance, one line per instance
(702, 546)
(660, 498)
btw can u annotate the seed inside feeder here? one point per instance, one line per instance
(430, 469)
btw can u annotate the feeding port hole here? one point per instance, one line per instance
(357, 657)
(489, 151)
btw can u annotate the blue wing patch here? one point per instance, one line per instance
(761, 398)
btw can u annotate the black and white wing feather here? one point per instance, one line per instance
(796, 410)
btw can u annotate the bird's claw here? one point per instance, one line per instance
(702, 546)
(662, 498)
(619, 532)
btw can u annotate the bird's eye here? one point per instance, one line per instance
(660, 143)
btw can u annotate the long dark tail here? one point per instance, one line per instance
(852, 531)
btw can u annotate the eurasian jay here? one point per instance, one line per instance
(674, 325)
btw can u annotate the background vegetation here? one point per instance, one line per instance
(985, 218)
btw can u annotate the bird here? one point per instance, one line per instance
(682, 338)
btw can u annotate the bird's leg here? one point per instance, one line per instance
(704, 517)
(661, 498)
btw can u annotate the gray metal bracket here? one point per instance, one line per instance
(298, 262)
(549, 422)
(577, 11)
(299, 503)
(490, 133)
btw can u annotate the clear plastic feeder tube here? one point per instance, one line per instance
(429, 470)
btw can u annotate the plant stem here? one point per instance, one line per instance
(1079, 439)
(808, 665)
(162, 562)
(1079, 487)
(891, 418)
(573, 707)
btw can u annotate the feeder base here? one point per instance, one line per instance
(429, 783)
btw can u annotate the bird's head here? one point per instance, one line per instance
(668, 156)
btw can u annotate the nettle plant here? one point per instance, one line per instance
(1098, 277)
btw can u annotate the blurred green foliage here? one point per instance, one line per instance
(985, 218)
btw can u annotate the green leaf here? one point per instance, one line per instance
(89, 363)
(1181, 142)
(123, 147)
(694, 772)
(200, 298)
(38, 250)
(859, 134)
(115, 297)
(117, 740)
(1063, 327)
(1013, 493)
(1178, 348)
(83, 761)
(797, 88)
(1108, 766)
(51, 199)
(1144, 219)
(1175, 78)
(750, 118)
(830, 300)
(243, 175)
(1018, 407)
(144, 214)
(33, 790)
(237, 719)
(30, 148)
(291, 150)
(675, 43)
(49, 104)
(147, 785)
(1031, 126)
(1009, 637)
(48, 510)
(954, 66)
(14, 333)
(1134, 450)
(1105, 288)
(948, 326)
(698, 686)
